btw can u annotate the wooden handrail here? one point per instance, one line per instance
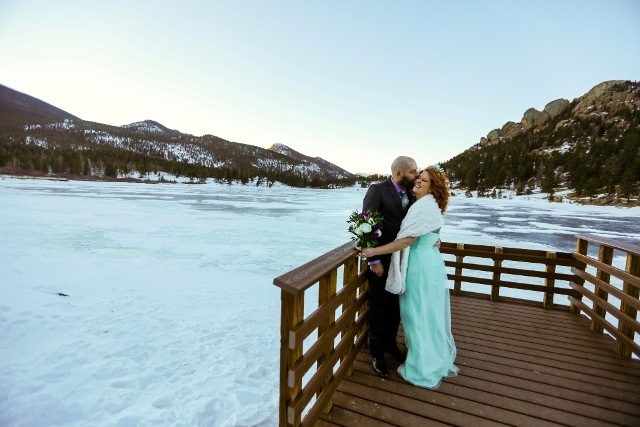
(332, 361)
(605, 305)
(303, 277)
(626, 313)
(325, 361)
(556, 268)
(610, 270)
(629, 248)
(509, 270)
(606, 325)
(635, 303)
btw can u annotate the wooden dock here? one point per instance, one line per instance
(520, 365)
(567, 354)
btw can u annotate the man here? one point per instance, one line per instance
(391, 198)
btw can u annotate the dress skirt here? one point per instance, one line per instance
(426, 317)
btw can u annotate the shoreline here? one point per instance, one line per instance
(561, 196)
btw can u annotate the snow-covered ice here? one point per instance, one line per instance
(138, 304)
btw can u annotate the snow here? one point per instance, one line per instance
(144, 127)
(564, 148)
(40, 142)
(169, 315)
(185, 152)
(66, 124)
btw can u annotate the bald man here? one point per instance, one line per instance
(391, 198)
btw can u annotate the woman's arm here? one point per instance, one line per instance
(396, 245)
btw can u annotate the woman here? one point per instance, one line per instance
(418, 270)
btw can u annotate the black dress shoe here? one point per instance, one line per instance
(398, 354)
(380, 366)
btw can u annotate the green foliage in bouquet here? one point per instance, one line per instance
(366, 228)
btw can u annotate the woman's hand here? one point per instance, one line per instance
(367, 252)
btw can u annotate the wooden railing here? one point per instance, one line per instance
(511, 268)
(312, 367)
(338, 339)
(601, 310)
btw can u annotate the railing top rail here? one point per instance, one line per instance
(615, 244)
(449, 247)
(301, 278)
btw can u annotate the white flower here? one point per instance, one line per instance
(365, 227)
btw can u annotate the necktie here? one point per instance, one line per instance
(405, 199)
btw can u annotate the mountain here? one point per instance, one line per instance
(38, 137)
(590, 145)
(17, 108)
(151, 127)
(317, 161)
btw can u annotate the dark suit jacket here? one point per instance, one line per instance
(383, 197)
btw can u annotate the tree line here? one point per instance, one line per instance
(111, 163)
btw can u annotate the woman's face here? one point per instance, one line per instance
(422, 186)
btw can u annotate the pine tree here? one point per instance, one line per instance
(549, 179)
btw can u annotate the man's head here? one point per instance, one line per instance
(404, 171)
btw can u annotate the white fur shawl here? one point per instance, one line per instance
(423, 216)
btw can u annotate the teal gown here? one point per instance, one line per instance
(426, 316)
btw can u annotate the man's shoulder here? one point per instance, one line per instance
(376, 190)
(382, 195)
(381, 184)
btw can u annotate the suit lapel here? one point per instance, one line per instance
(394, 194)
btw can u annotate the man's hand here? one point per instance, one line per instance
(377, 269)
(437, 244)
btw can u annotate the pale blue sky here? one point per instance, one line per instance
(354, 82)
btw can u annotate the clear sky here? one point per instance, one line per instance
(354, 82)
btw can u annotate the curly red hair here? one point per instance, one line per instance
(439, 187)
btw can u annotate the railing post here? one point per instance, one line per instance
(457, 284)
(364, 288)
(549, 282)
(605, 255)
(292, 313)
(633, 268)
(350, 273)
(582, 247)
(326, 291)
(495, 288)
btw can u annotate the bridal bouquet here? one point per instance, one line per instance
(365, 227)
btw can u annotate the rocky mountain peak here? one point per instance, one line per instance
(557, 107)
(611, 96)
(588, 146)
(608, 97)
